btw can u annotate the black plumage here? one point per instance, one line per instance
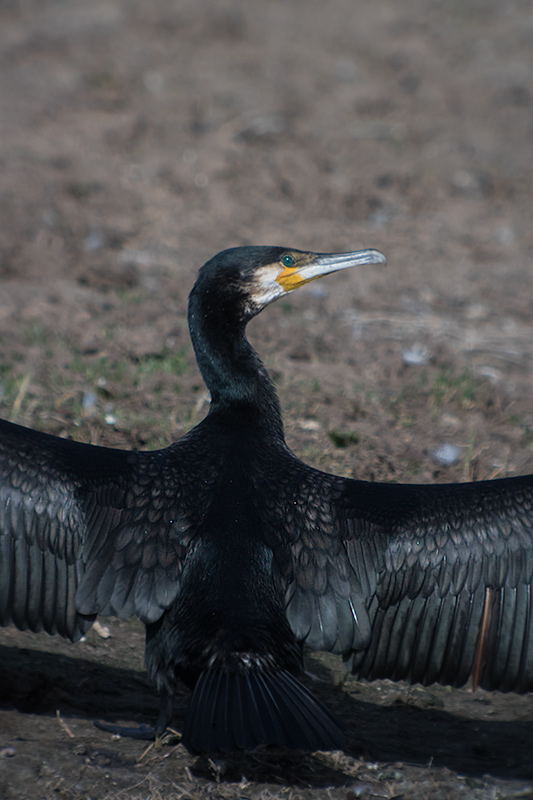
(233, 552)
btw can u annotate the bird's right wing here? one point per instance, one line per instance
(43, 526)
(87, 530)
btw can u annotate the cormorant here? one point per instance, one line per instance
(233, 552)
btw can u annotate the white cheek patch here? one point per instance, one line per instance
(266, 287)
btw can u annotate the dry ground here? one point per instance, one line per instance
(139, 138)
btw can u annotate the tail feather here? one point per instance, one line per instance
(238, 715)
(314, 718)
(241, 710)
(272, 716)
(300, 717)
(202, 727)
(255, 709)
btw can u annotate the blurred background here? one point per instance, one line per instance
(139, 138)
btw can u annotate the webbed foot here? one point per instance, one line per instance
(147, 732)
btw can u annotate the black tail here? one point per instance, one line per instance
(240, 710)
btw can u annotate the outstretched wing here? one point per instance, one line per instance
(454, 582)
(424, 583)
(86, 530)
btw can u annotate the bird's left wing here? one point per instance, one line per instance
(454, 581)
(87, 530)
(426, 583)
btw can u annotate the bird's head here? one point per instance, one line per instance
(249, 278)
(232, 288)
(292, 269)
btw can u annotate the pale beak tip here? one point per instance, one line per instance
(378, 257)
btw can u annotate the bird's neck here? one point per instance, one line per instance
(233, 372)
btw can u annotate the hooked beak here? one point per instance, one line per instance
(293, 277)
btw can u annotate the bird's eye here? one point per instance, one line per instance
(287, 261)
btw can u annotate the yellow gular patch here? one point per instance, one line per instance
(290, 279)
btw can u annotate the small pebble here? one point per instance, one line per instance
(447, 454)
(416, 356)
(359, 790)
(94, 241)
(102, 630)
(309, 424)
(88, 402)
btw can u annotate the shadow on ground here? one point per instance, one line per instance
(34, 682)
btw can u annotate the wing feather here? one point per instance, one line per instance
(396, 577)
(87, 530)
(442, 551)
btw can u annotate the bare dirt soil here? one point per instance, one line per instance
(139, 138)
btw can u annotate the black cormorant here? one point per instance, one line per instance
(234, 553)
